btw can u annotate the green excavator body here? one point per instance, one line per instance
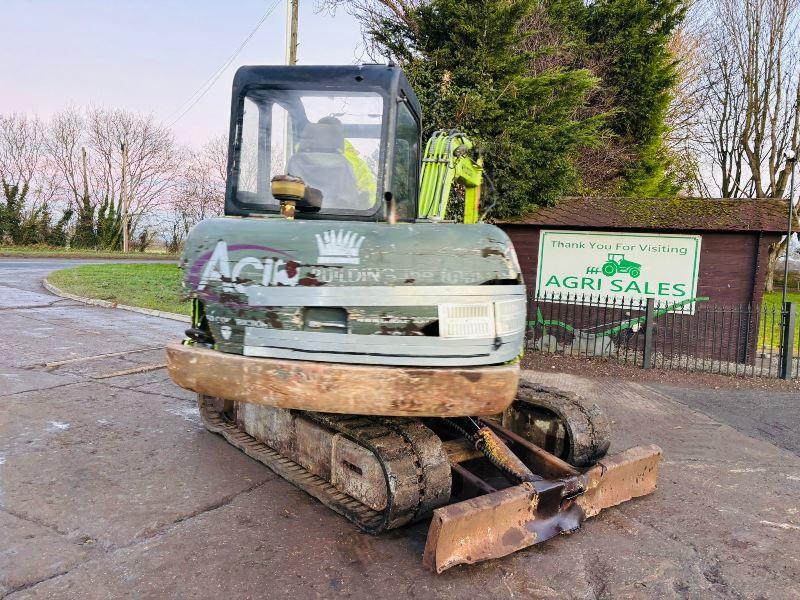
(368, 293)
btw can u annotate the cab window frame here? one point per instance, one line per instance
(265, 115)
(403, 99)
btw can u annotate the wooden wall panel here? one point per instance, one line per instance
(732, 273)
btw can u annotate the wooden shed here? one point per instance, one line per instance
(730, 240)
(736, 235)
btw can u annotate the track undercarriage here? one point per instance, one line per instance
(486, 500)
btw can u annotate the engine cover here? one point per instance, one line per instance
(430, 294)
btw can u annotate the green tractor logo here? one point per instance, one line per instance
(617, 263)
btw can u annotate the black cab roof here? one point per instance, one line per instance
(387, 77)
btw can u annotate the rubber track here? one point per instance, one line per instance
(416, 469)
(588, 428)
(415, 466)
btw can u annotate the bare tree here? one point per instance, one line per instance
(200, 193)
(153, 161)
(764, 46)
(723, 120)
(21, 150)
(373, 13)
(751, 114)
(20, 157)
(65, 141)
(29, 182)
(684, 117)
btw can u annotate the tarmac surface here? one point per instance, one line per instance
(772, 416)
(110, 487)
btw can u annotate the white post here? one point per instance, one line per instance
(126, 243)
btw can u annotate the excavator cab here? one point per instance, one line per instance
(351, 134)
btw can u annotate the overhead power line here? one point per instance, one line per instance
(192, 100)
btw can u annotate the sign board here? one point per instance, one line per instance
(621, 267)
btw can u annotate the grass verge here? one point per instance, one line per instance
(155, 286)
(769, 331)
(45, 251)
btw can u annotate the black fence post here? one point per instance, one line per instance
(787, 339)
(649, 326)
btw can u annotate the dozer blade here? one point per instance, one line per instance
(502, 522)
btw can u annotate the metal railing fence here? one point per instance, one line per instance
(691, 335)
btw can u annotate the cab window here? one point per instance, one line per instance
(331, 139)
(405, 170)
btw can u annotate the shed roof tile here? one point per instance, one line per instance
(704, 214)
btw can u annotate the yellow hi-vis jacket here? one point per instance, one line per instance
(365, 179)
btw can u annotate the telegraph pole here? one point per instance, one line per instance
(85, 177)
(126, 243)
(790, 159)
(292, 9)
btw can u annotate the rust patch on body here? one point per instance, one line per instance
(499, 523)
(291, 268)
(408, 329)
(273, 319)
(512, 537)
(499, 455)
(487, 252)
(340, 388)
(310, 280)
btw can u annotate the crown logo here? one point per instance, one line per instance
(339, 247)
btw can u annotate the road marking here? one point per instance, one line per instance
(142, 369)
(68, 361)
(781, 525)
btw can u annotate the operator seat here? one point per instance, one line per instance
(321, 163)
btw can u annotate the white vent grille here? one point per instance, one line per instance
(466, 320)
(510, 316)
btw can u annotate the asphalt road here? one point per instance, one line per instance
(769, 415)
(110, 487)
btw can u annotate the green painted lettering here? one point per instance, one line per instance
(588, 283)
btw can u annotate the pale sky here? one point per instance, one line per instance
(151, 55)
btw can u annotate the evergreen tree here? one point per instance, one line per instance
(85, 235)
(11, 214)
(108, 226)
(632, 38)
(57, 235)
(40, 224)
(467, 64)
(35, 226)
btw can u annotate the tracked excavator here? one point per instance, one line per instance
(359, 332)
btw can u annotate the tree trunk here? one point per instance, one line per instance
(775, 251)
